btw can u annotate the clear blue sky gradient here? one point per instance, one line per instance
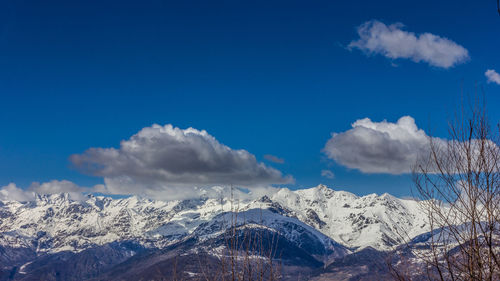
(271, 77)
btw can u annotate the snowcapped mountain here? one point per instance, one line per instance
(319, 223)
(56, 223)
(356, 222)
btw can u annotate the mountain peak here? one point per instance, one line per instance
(57, 198)
(320, 191)
(323, 187)
(265, 199)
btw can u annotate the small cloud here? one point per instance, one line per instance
(327, 174)
(393, 42)
(493, 76)
(274, 159)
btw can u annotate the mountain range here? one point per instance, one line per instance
(316, 233)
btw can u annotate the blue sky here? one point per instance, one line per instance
(270, 77)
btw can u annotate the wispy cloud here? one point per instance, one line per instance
(327, 174)
(493, 76)
(170, 163)
(393, 42)
(274, 159)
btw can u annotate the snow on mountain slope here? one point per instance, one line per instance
(54, 223)
(356, 222)
(294, 230)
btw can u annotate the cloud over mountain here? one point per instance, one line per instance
(379, 147)
(13, 192)
(393, 42)
(169, 161)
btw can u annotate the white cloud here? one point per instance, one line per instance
(54, 187)
(393, 42)
(492, 76)
(11, 192)
(168, 162)
(379, 147)
(394, 148)
(327, 174)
